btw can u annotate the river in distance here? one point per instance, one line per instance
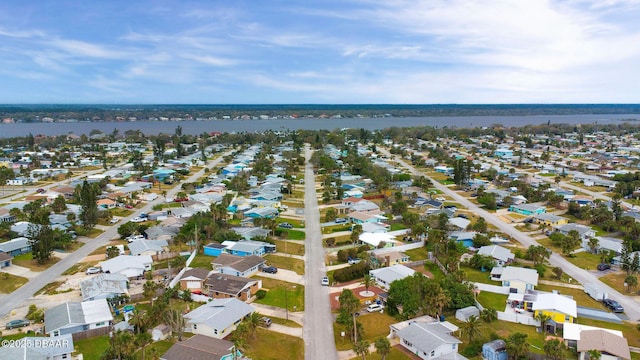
(199, 127)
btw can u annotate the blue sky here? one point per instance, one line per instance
(330, 51)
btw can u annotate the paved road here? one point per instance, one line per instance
(318, 325)
(18, 297)
(631, 306)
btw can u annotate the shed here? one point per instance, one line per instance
(160, 332)
(465, 313)
(495, 350)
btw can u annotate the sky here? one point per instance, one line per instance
(319, 52)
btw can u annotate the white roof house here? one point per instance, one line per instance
(385, 276)
(218, 317)
(571, 331)
(555, 302)
(127, 265)
(374, 239)
(147, 247)
(72, 317)
(103, 286)
(516, 278)
(500, 254)
(430, 340)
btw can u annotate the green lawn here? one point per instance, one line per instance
(478, 276)
(295, 222)
(420, 253)
(289, 247)
(92, 348)
(27, 261)
(584, 260)
(285, 322)
(202, 261)
(628, 329)
(293, 234)
(394, 354)
(269, 345)
(375, 325)
(283, 262)
(9, 283)
(276, 295)
(397, 226)
(157, 348)
(492, 301)
(615, 280)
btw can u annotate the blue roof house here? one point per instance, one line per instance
(503, 153)
(214, 249)
(495, 350)
(527, 209)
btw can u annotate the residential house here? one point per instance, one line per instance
(605, 243)
(214, 249)
(357, 217)
(248, 232)
(201, 347)
(495, 350)
(503, 153)
(248, 247)
(463, 237)
(217, 318)
(560, 308)
(148, 247)
(610, 346)
(220, 286)
(5, 216)
(73, 317)
(383, 277)
(459, 223)
(376, 239)
(517, 279)
(193, 279)
(527, 209)
(40, 348)
(585, 232)
(5, 259)
(262, 213)
(430, 340)
(130, 266)
(245, 266)
(501, 255)
(106, 203)
(390, 258)
(571, 333)
(16, 246)
(104, 286)
(375, 227)
(550, 219)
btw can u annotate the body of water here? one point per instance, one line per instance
(199, 127)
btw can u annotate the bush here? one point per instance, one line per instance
(541, 269)
(260, 294)
(352, 272)
(472, 349)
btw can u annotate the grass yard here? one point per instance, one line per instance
(9, 283)
(121, 212)
(584, 260)
(158, 348)
(285, 322)
(295, 222)
(269, 345)
(492, 301)
(288, 263)
(435, 270)
(27, 261)
(394, 354)
(294, 234)
(628, 329)
(202, 261)
(420, 253)
(375, 325)
(615, 280)
(80, 267)
(289, 247)
(397, 226)
(276, 294)
(478, 276)
(94, 233)
(92, 348)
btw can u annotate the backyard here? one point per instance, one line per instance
(282, 294)
(374, 325)
(289, 247)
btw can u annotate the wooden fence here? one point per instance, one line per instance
(91, 333)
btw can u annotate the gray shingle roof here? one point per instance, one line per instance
(427, 336)
(199, 347)
(228, 284)
(219, 313)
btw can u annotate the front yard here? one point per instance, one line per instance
(282, 294)
(271, 345)
(26, 260)
(289, 247)
(283, 262)
(375, 325)
(9, 283)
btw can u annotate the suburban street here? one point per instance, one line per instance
(631, 306)
(26, 291)
(318, 324)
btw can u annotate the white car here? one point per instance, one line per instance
(137, 219)
(325, 281)
(133, 238)
(114, 220)
(375, 307)
(93, 270)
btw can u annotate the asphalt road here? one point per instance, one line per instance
(631, 306)
(19, 297)
(317, 331)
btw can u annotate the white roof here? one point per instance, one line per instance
(529, 276)
(220, 313)
(572, 331)
(496, 252)
(374, 239)
(459, 222)
(392, 273)
(555, 302)
(96, 311)
(127, 265)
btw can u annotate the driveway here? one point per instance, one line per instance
(284, 275)
(631, 306)
(318, 327)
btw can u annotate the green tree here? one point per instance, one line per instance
(112, 252)
(356, 231)
(538, 254)
(543, 319)
(361, 348)
(149, 290)
(571, 242)
(594, 244)
(349, 305)
(367, 281)
(330, 215)
(383, 347)
(517, 346)
(176, 322)
(88, 205)
(41, 241)
(594, 354)
(121, 346)
(471, 329)
(554, 349)
(631, 281)
(59, 204)
(489, 315)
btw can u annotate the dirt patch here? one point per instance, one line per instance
(92, 258)
(424, 271)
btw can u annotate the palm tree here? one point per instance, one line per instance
(149, 291)
(471, 328)
(594, 244)
(383, 347)
(253, 321)
(594, 354)
(139, 320)
(517, 346)
(362, 348)
(176, 322)
(543, 318)
(367, 281)
(349, 305)
(142, 340)
(554, 349)
(489, 315)
(631, 281)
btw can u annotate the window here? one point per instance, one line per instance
(100, 324)
(215, 331)
(195, 326)
(433, 353)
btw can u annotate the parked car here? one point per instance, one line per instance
(352, 261)
(93, 270)
(604, 266)
(340, 220)
(270, 269)
(375, 307)
(114, 220)
(613, 305)
(325, 281)
(265, 321)
(137, 219)
(463, 216)
(40, 191)
(133, 238)
(128, 206)
(18, 323)
(285, 225)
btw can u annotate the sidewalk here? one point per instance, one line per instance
(274, 311)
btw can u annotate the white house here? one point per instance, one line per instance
(218, 318)
(385, 276)
(501, 255)
(517, 279)
(73, 317)
(430, 340)
(104, 286)
(128, 265)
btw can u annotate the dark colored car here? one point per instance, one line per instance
(604, 266)
(270, 269)
(613, 305)
(40, 191)
(340, 220)
(463, 216)
(17, 324)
